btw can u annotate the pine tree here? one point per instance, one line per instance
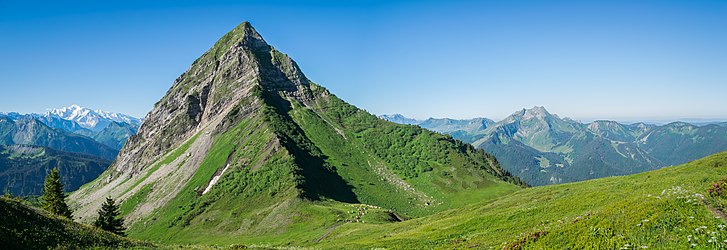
(108, 218)
(54, 200)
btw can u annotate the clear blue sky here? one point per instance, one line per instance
(582, 59)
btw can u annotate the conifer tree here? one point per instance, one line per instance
(108, 218)
(53, 199)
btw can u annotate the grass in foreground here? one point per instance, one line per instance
(25, 227)
(663, 209)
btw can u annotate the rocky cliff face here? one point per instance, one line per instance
(201, 96)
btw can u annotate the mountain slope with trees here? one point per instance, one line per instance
(23, 168)
(25, 227)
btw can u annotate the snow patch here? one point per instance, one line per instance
(215, 179)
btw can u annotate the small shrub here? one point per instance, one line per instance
(718, 188)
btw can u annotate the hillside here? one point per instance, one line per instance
(24, 227)
(115, 134)
(661, 209)
(243, 148)
(23, 168)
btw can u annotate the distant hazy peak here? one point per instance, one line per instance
(603, 123)
(679, 124)
(399, 118)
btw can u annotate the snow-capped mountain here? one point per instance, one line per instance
(94, 120)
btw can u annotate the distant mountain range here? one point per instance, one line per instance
(80, 141)
(95, 120)
(542, 148)
(466, 130)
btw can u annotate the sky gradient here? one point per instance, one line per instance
(618, 60)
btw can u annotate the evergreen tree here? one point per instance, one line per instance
(108, 218)
(54, 200)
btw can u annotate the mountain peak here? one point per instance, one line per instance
(535, 112)
(244, 35)
(539, 110)
(245, 115)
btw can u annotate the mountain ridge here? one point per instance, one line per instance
(243, 125)
(544, 149)
(95, 120)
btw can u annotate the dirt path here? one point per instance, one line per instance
(330, 230)
(716, 211)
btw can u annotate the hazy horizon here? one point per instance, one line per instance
(623, 61)
(652, 120)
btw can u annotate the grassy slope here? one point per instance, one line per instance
(657, 209)
(448, 172)
(255, 202)
(20, 228)
(258, 200)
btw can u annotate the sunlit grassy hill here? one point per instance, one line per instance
(25, 227)
(663, 209)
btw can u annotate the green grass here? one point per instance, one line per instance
(607, 213)
(443, 186)
(132, 202)
(661, 209)
(25, 227)
(317, 182)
